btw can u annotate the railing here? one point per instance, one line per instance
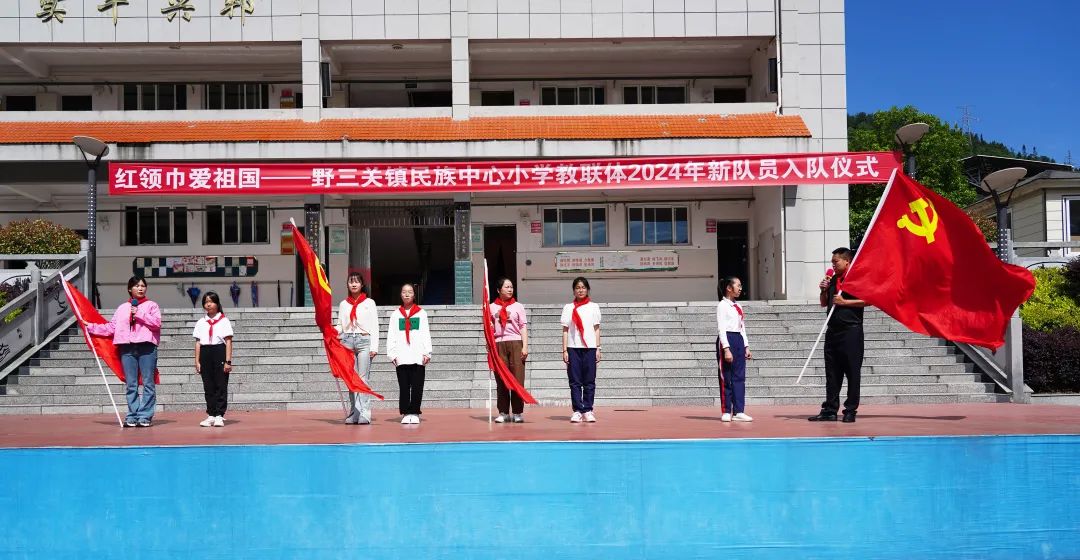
(35, 317)
(1047, 246)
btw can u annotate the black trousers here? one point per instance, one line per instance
(410, 378)
(214, 379)
(843, 358)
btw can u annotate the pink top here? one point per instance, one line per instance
(147, 327)
(514, 325)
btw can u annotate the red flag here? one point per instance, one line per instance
(926, 264)
(342, 361)
(495, 362)
(101, 345)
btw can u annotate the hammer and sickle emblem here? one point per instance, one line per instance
(926, 226)
(322, 276)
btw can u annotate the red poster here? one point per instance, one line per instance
(157, 178)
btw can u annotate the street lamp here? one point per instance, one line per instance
(994, 185)
(906, 136)
(96, 149)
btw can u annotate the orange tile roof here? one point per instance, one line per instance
(759, 125)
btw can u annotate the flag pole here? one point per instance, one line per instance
(828, 316)
(483, 324)
(341, 396)
(86, 337)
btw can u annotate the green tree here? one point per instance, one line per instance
(937, 160)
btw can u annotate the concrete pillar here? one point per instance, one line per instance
(459, 57)
(310, 52)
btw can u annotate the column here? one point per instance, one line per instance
(463, 281)
(459, 57)
(309, 60)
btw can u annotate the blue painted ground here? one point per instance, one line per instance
(894, 497)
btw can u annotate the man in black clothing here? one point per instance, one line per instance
(843, 341)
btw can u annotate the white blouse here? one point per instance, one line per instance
(222, 330)
(728, 319)
(590, 318)
(367, 321)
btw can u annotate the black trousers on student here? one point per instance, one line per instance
(410, 378)
(843, 358)
(214, 379)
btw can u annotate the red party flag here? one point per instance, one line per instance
(495, 362)
(342, 360)
(926, 264)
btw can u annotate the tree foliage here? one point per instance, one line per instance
(937, 159)
(23, 237)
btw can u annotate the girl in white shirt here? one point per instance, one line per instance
(581, 349)
(732, 351)
(358, 325)
(213, 358)
(408, 345)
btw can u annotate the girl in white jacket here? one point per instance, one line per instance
(358, 323)
(408, 345)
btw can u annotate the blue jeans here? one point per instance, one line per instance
(139, 357)
(360, 409)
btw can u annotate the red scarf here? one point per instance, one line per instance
(355, 302)
(742, 316)
(503, 315)
(408, 315)
(213, 322)
(576, 319)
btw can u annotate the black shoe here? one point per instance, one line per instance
(849, 417)
(823, 417)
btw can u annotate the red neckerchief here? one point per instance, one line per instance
(577, 319)
(412, 311)
(355, 302)
(742, 316)
(213, 322)
(503, 315)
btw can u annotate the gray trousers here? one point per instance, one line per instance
(360, 403)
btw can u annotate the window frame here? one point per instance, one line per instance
(577, 90)
(559, 244)
(219, 212)
(259, 91)
(654, 90)
(674, 230)
(172, 212)
(1066, 223)
(179, 92)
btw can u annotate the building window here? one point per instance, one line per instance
(575, 227)
(571, 96)
(431, 98)
(774, 76)
(237, 96)
(1072, 223)
(155, 97)
(76, 103)
(155, 225)
(729, 95)
(644, 95)
(20, 103)
(657, 225)
(230, 225)
(496, 98)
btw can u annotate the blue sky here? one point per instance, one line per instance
(1015, 64)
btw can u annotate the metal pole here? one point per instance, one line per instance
(1014, 333)
(91, 234)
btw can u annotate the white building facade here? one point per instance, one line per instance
(356, 81)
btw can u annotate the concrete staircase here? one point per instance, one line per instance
(656, 354)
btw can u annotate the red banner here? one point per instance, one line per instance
(498, 176)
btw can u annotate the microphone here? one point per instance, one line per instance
(134, 304)
(829, 273)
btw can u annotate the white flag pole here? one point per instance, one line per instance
(869, 228)
(86, 337)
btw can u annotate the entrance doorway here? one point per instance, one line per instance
(420, 256)
(733, 254)
(500, 250)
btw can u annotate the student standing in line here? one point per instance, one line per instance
(408, 345)
(732, 351)
(213, 358)
(581, 349)
(135, 328)
(358, 323)
(512, 344)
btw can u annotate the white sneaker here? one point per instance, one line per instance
(590, 417)
(208, 422)
(517, 419)
(501, 418)
(743, 417)
(415, 419)
(219, 422)
(576, 417)
(406, 419)
(726, 417)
